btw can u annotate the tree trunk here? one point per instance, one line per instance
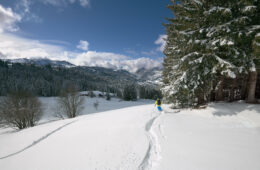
(219, 94)
(251, 87)
(201, 100)
(244, 88)
(232, 91)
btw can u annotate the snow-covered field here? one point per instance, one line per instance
(222, 137)
(122, 136)
(50, 106)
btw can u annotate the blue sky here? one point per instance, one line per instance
(129, 28)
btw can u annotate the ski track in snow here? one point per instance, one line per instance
(152, 155)
(38, 141)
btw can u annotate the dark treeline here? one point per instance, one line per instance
(48, 81)
(147, 92)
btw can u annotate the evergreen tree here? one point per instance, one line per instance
(186, 67)
(108, 97)
(91, 94)
(146, 92)
(142, 92)
(206, 41)
(119, 94)
(130, 93)
(249, 38)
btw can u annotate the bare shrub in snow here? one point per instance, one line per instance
(70, 101)
(20, 110)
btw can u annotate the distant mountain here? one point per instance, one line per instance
(47, 80)
(108, 73)
(41, 62)
(150, 76)
(142, 76)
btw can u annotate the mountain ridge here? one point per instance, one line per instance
(142, 75)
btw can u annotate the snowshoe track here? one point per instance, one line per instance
(152, 155)
(38, 141)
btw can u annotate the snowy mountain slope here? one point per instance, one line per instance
(223, 136)
(152, 75)
(42, 62)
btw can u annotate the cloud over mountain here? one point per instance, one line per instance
(13, 47)
(83, 45)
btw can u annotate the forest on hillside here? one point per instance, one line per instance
(48, 80)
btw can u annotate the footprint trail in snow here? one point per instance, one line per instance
(152, 156)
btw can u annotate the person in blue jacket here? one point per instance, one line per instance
(158, 104)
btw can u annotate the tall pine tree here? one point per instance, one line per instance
(207, 40)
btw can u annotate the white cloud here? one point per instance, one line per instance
(115, 61)
(16, 47)
(23, 7)
(8, 19)
(161, 41)
(13, 47)
(60, 3)
(132, 65)
(84, 2)
(101, 59)
(22, 11)
(83, 45)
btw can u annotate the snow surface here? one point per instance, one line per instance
(108, 140)
(51, 107)
(249, 8)
(223, 136)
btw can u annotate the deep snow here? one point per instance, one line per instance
(223, 136)
(107, 140)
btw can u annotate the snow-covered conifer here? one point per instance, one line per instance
(206, 41)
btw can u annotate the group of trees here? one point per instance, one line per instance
(132, 92)
(21, 109)
(209, 43)
(146, 92)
